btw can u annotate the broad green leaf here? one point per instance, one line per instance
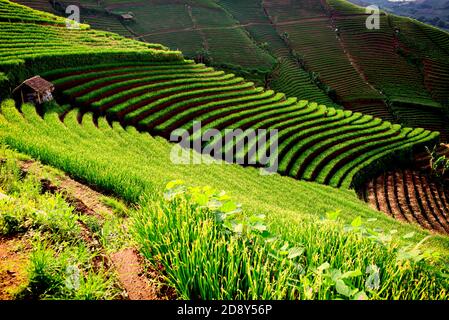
(357, 222)
(173, 184)
(333, 215)
(323, 267)
(342, 288)
(351, 274)
(228, 206)
(408, 235)
(295, 252)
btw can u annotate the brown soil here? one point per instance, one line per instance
(410, 196)
(131, 274)
(89, 197)
(14, 254)
(128, 264)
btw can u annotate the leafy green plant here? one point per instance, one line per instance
(439, 164)
(65, 273)
(118, 207)
(206, 222)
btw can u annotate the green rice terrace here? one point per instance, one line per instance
(348, 200)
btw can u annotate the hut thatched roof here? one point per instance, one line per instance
(127, 16)
(37, 84)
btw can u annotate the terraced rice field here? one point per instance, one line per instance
(374, 51)
(315, 143)
(28, 48)
(194, 28)
(288, 77)
(118, 101)
(419, 116)
(108, 23)
(328, 59)
(342, 8)
(291, 10)
(436, 79)
(12, 12)
(228, 43)
(42, 5)
(417, 39)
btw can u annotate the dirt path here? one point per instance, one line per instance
(238, 26)
(128, 264)
(14, 257)
(196, 27)
(351, 59)
(131, 274)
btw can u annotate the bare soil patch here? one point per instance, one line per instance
(14, 257)
(131, 274)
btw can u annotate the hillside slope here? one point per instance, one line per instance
(323, 50)
(92, 151)
(118, 101)
(159, 92)
(40, 45)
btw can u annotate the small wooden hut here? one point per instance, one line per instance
(36, 90)
(127, 17)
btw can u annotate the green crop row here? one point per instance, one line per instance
(277, 103)
(372, 149)
(161, 80)
(203, 112)
(331, 135)
(288, 106)
(262, 120)
(131, 164)
(307, 123)
(146, 88)
(233, 103)
(127, 78)
(226, 83)
(233, 88)
(19, 69)
(113, 72)
(296, 112)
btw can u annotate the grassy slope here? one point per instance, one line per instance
(94, 155)
(62, 46)
(54, 237)
(170, 16)
(246, 274)
(286, 199)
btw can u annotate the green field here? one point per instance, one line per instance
(93, 205)
(91, 154)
